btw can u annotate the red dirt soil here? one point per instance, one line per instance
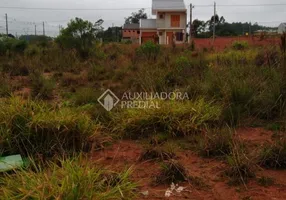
(124, 154)
(224, 42)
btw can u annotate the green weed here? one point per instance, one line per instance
(216, 143)
(31, 128)
(265, 181)
(161, 152)
(241, 168)
(176, 118)
(69, 179)
(172, 172)
(274, 155)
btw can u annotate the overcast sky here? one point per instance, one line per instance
(22, 21)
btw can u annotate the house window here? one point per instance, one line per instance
(160, 33)
(179, 36)
(175, 20)
(161, 16)
(138, 32)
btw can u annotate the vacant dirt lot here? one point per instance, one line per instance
(223, 42)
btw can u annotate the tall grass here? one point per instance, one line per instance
(216, 143)
(70, 179)
(174, 117)
(32, 128)
(274, 155)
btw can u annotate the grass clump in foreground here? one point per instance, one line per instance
(274, 155)
(69, 179)
(265, 181)
(241, 168)
(30, 128)
(216, 143)
(161, 152)
(172, 172)
(176, 118)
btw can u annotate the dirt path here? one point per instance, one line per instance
(210, 183)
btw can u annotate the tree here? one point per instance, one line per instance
(198, 27)
(112, 34)
(215, 20)
(80, 35)
(136, 16)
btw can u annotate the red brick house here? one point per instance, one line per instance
(131, 32)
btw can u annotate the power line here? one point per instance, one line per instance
(252, 5)
(146, 8)
(243, 5)
(72, 9)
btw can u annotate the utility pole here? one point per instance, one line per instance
(191, 22)
(249, 29)
(214, 21)
(44, 29)
(7, 31)
(35, 29)
(60, 28)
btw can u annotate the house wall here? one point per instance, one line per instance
(281, 29)
(148, 35)
(132, 34)
(166, 22)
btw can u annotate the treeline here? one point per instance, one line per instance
(204, 29)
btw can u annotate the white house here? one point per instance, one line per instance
(282, 28)
(169, 25)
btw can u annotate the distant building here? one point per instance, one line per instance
(170, 24)
(282, 28)
(131, 32)
(148, 31)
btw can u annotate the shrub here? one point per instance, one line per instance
(274, 155)
(192, 47)
(150, 50)
(174, 117)
(30, 128)
(216, 143)
(283, 43)
(2, 48)
(161, 152)
(96, 73)
(19, 46)
(241, 168)
(32, 50)
(245, 90)
(73, 80)
(12, 45)
(79, 35)
(265, 181)
(240, 45)
(85, 96)
(69, 179)
(172, 172)
(182, 62)
(153, 78)
(5, 88)
(42, 88)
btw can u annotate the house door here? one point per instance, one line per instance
(169, 38)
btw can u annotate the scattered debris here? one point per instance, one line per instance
(174, 188)
(145, 193)
(10, 163)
